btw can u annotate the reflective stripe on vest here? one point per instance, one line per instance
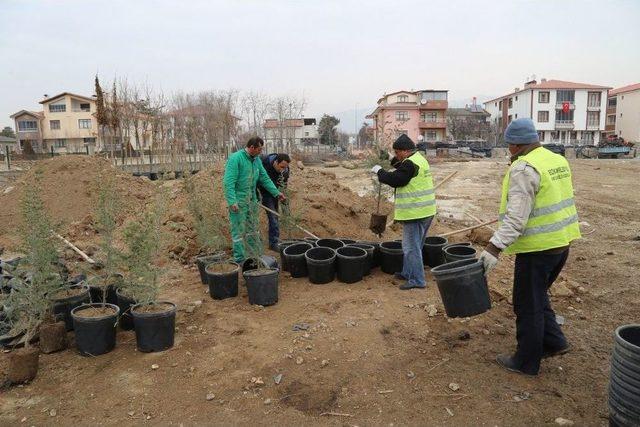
(553, 222)
(417, 199)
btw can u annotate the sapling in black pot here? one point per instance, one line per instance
(95, 323)
(206, 223)
(153, 319)
(262, 282)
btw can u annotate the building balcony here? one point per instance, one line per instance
(433, 105)
(593, 126)
(611, 110)
(433, 124)
(593, 107)
(560, 104)
(610, 128)
(564, 124)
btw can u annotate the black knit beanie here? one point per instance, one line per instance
(404, 143)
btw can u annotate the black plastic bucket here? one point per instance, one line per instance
(330, 243)
(624, 382)
(262, 286)
(351, 263)
(155, 331)
(98, 292)
(458, 252)
(391, 254)
(311, 240)
(294, 256)
(346, 241)
(377, 255)
(281, 247)
(368, 265)
(125, 303)
(268, 260)
(95, 335)
(203, 260)
(62, 307)
(222, 284)
(432, 254)
(321, 265)
(463, 287)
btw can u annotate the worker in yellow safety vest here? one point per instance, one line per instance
(415, 206)
(538, 222)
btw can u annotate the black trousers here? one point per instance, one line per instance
(537, 331)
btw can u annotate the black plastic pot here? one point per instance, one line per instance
(432, 254)
(311, 240)
(222, 285)
(268, 260)
(321, 265)
(392, 257)
(262, 286)
(463, 287)
(624, 384)
(125, 303)
(95, 335)
(62, 307)
(351, 263)
(368, 265)
(294, 256)
(377, 255)
(458, 252)
(330, 243)
(154, 331)
(203, 260)
(347, 241)
(96, 291)
(281, 247)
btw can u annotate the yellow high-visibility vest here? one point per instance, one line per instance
(417, 199)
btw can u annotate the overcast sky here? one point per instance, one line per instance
(337, 53)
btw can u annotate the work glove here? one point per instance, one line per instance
(489, 261)
(375, 169)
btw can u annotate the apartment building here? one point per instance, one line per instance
(623, 113)
(66, 124)
(471, 122)
(563, 112)
(300, 131)
(421, 115)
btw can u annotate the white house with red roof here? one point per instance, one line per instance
(623, 113)
(563, 112)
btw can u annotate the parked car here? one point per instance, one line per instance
(556, 148)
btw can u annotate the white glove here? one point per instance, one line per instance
(375, 169)
(488, 261)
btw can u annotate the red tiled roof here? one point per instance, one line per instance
(31, 113)
(560, 84)
(624, 89)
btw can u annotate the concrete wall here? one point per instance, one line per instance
(628, 116)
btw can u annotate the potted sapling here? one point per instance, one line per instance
(261, 277)
(95, 323)
(206, 224)
(153, 319)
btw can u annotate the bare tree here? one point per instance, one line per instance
(255, 107)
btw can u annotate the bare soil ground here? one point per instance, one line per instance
(360, 354)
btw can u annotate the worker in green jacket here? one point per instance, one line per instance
(242, 173)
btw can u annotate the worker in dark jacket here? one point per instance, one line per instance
(538, 222)
(415, 206)
(277, 167)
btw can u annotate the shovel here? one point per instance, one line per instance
(378, 222)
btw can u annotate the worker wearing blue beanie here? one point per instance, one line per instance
(538, 222)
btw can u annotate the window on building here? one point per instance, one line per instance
(89, 140)
(429, 116)
(543, 116)
(541, 135)
(516, 97)
(500, 107)
(84, 123)
(543, 97)
(57, 108)
(60, 143)
(593, 99)
(611, 119)
(510, 102)
(434, 96)
(85, 107)
(403, 98)
(565, 96)
(563, 117)
(54, 124)
(430, 135)
(593, 118)
(306, 134)
(612, 102)
(27, 125)
(516, 116)
(495, 104)
(587, 137)
(402, 115)
(509, 118)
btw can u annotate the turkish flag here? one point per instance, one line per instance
(565, 107)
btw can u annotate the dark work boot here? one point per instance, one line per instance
(408, 285)
(505, 361)
(552, 353)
